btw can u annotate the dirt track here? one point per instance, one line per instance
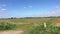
(11, 32)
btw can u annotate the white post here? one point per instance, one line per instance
(44, 25)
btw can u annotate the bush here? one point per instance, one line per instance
(7, 26)
(50, 29)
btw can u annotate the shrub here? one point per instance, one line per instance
(7, 26)
(50, 29)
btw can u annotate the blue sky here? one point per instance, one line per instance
(29, 8)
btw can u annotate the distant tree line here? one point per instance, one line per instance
(35, 17)
(12, 18)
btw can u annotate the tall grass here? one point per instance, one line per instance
(50, 29)
(12, 26)
(7, 26)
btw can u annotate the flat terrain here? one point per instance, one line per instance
(30, 20)
(11, 32)
(25, 23)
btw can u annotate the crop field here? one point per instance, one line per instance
(32, 25)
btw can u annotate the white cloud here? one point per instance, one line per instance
(55, 12)
(4, 5)
(3, 9)
(50, 13)
(57, 7)
(0, 7)
(25, 7)
(30, 6)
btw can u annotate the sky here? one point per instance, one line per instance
(29, 8)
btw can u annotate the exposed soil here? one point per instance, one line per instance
(57, 20)
(12, 32)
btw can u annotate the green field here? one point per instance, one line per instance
(32, 25)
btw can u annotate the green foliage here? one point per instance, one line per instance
(7, 26)
(12, 26)
(50, 29)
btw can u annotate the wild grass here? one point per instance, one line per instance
(12, 26)
(50, 29)
(32, 25)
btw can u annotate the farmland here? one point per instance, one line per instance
(31, 25)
